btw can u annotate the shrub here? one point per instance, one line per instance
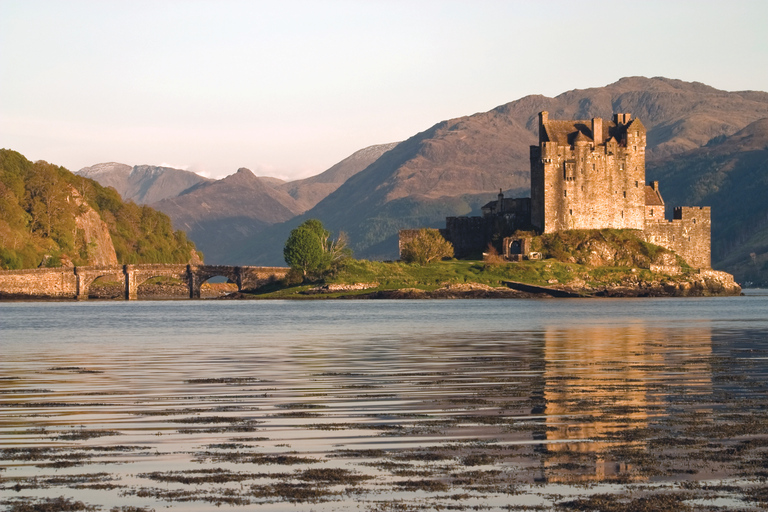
(427, 246)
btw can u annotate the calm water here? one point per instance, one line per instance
(374, 405)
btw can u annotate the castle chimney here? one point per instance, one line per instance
(618, 119)
(597, 130)
(627, 118)
(655, 185)
(543, 119)
(500, 206)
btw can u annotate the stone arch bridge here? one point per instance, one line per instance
(75, 282)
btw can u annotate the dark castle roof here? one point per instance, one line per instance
(652, 197)
(566, 132)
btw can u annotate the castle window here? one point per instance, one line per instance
(694, 221)
(593, 167)
(565, 193)
(637, 184)
(622, 214)
(569, 170)
(571, 211)
(621, 167)
(651, 212)
(625, 194)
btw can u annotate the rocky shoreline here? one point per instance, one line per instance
(706, 283)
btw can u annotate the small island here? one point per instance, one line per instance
(592, 227)
(577, 263)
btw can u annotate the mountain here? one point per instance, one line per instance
(310, 191)
(678, 115)
(142, 184)
(457, 165)
(730, 174)
(219, 215)
(51, 217)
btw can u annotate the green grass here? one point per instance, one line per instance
(398, 275)
(569, 254)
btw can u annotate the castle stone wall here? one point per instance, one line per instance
(688, 234)
(468, 235)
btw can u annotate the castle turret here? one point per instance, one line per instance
(543, 118)
(580, 140)
(597, 130)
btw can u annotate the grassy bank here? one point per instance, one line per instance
(383, 276)
(585, 261)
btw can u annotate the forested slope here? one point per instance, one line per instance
(42, 207)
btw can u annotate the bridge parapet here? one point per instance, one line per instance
(256, 277)
(39, 282)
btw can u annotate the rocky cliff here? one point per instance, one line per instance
(95, 233)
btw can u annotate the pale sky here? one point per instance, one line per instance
(288, 88)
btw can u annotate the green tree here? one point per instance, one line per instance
(303, 250)
(311, 250)
(427, 246)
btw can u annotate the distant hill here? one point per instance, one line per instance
(310, 191)
(730, 174)
(459, 164)
(142, 184)
(51, 217)
(219, 215)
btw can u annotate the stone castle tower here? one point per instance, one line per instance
(588, 174)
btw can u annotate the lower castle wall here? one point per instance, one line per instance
(468, 235)
(688, 234)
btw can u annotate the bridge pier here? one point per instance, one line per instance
(194, 282)
(81, 289)
(131, 285)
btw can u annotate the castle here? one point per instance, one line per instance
(585, 174)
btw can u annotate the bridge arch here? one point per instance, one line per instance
(85, 276)
(201, 273)
(135, 275)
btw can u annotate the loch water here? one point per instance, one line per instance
(384, 405)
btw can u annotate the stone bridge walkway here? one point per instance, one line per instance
(75, 282)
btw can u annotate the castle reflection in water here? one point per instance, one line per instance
(601, 383)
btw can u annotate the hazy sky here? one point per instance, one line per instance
(288, 88)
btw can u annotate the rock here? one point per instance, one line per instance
(101, 250)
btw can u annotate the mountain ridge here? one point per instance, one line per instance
(454, 166)
(730, 175)
(421, 180)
